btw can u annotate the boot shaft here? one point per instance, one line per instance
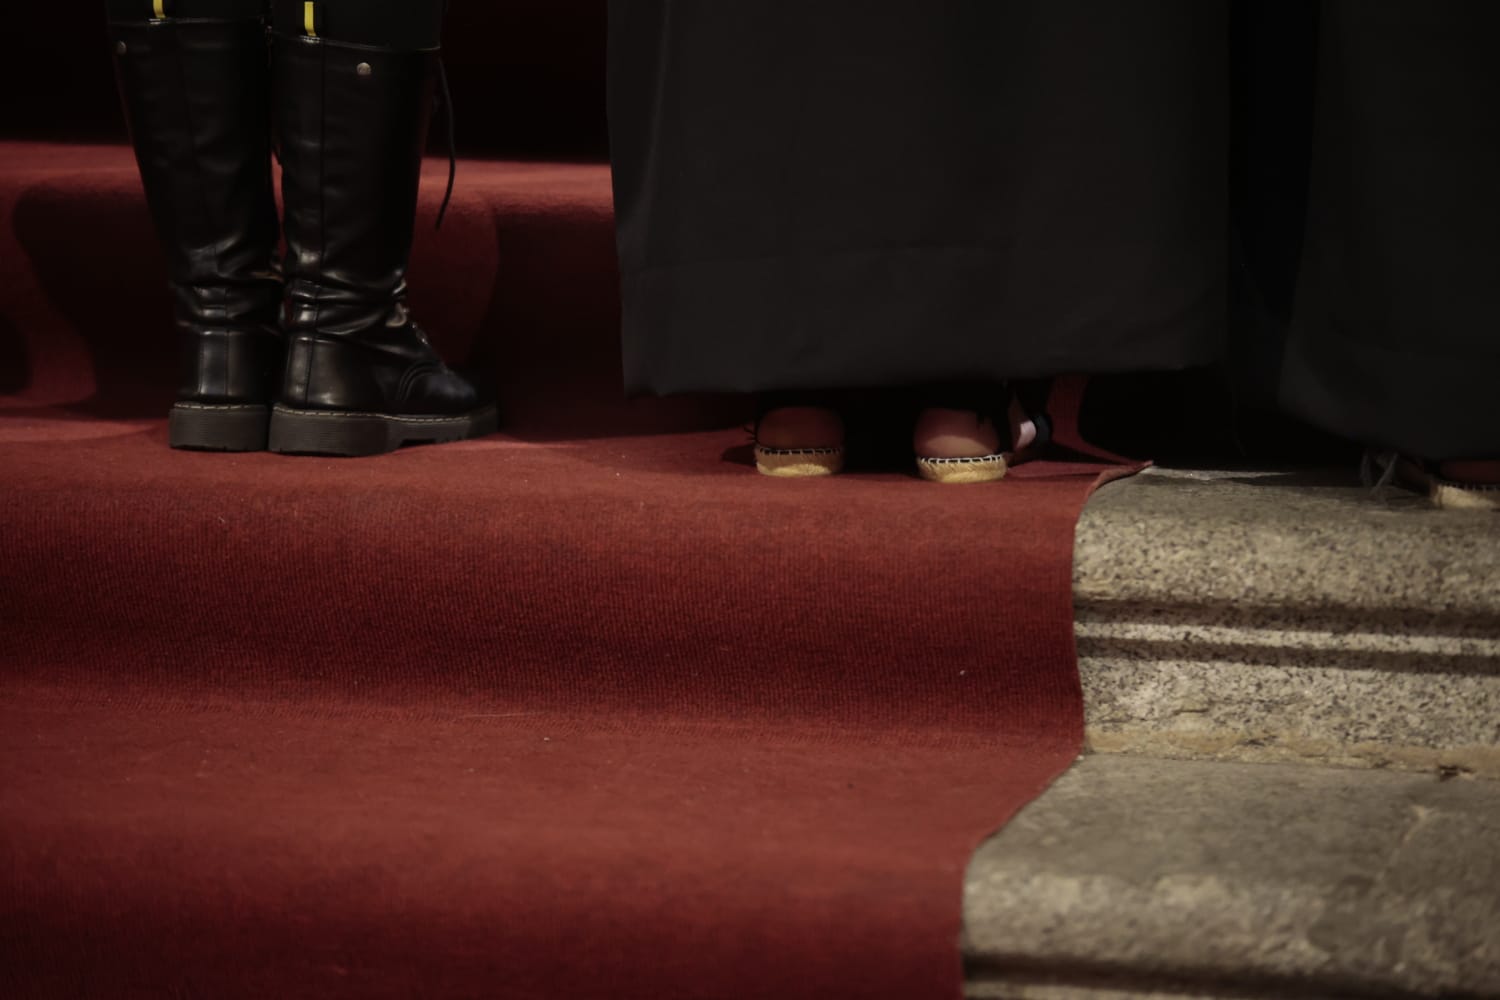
(196, 96)
(351, 126)
(196, 101)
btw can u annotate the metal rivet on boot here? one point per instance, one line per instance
(363, 69)
(119, 48)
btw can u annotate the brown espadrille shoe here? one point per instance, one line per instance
(966, 444)
(795, 441)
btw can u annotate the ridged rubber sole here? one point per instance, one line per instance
(330, 432)
(796, 463)
(216, 427)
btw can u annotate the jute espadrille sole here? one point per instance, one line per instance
(796, 462)
(1457, 496)
(1444, 493)
(986, 469)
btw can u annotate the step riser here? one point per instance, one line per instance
(1329, 688)
(1288, 617)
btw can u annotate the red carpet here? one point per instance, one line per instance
(587, 709)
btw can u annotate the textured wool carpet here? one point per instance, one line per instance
(584, 709)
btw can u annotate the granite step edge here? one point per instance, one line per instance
(1277, 542)
(1141, 877)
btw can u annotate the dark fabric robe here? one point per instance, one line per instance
(854, 193)
(847, 193)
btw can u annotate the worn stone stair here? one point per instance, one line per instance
(1289, 616)
(1292, 689)
(1142, 877)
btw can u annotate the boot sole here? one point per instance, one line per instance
(329, 432)
(210, 427)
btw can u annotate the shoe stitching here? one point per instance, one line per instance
(982, 460)
(218, 406)
(797, 451)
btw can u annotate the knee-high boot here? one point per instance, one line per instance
(360, 377)
(196, 90)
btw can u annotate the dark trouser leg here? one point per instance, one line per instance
(1395, 339)
(353, 85)
(194, 83)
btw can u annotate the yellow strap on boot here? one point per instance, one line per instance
(309, 18)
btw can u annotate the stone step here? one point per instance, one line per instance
(1139, 877)
(1286, 616)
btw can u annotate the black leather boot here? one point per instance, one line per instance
(361, 377)
(196, 93)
